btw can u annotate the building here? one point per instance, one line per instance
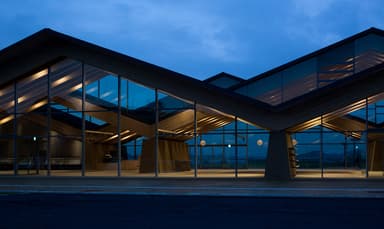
(69, 107)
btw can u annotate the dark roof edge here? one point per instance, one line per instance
(219, 75)
(39, 35)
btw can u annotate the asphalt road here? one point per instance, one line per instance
(130, 211)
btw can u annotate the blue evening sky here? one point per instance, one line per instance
(198, 38)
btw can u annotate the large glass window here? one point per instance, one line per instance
(7, 130)
(299, 79)
(138, 138)
(375, 156)
(66, 118)
(369, 52)
(310, 74)
(175, 128)
(307, 147)
(101, 119)
(267, 89)
(32, 132)
(252, 149)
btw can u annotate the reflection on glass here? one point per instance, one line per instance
(329, 66)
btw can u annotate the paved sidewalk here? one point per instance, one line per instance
(326, 188)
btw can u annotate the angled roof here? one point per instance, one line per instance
(316, 70)
(224, 80)
(47, 46)
(304, 58)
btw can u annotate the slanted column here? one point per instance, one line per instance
(278, 165)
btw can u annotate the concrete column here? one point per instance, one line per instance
(277, 165)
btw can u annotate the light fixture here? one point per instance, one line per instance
(259, 142)
(6, 119)
(203, 142)
(294, 142)
(61, 80)
(229, 145)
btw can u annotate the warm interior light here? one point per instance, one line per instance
(37, 105)
(21, 99)
(294, 142)
(61, 80)
(203, 142)
(168, 131)
(6, 119)
(98, 132)
(74, 88)
(115, 136)
(126, 137)
(259, 142)
(39, 74)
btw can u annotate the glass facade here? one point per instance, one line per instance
(74, 119)
(344, 143)
(313, 73)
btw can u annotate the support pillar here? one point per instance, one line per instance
(278, 165)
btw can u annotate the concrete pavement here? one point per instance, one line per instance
(256, 187)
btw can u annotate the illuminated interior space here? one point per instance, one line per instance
(71, 108)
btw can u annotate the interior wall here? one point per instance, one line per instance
(173, 156)
(375, 156)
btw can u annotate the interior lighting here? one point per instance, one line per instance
(38, 105)
(21, 99)
(129, 136)
(6, 119)
(61, 80)
(39, 74)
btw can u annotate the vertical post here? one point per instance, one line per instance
(366, 139)
(49, 111)
(119, 126)
(200, 161)
(134, 150)
(277, 163)
(82, 120)
(127, 95)
(156, 133)
(236, 150)
(246, 149)
(98, 88)
(321, 147)
(345, 151)
(223, 148)
(195, 137)
(282, 88)
(15, 165)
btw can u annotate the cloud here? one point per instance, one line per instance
(370, 13)
(185, 28)
(312, 35)
(310, 22)
(312, 8)
(201, 32)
